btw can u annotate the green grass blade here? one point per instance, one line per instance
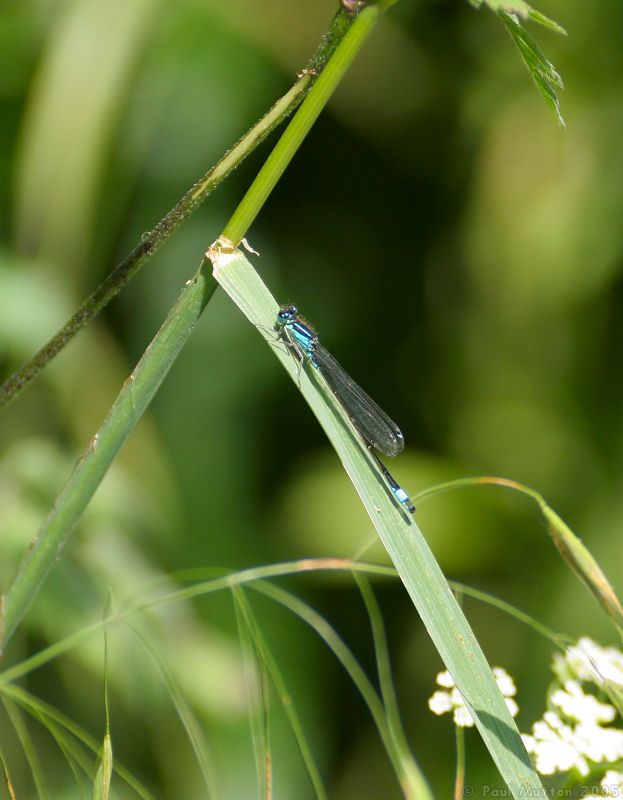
(103, 775)
(7, 778)
(555, 638)
(404, 542)
(101, 784)
(574, 552)
(49, 715)
(543, 72)
(291, 139)
(30, 752)
(258, 703)
(546, 22)
(344, 655)
(411, 778)
(272, 668)
(191, 724)
(225, 580)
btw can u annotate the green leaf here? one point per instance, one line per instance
(420, 573)
(101, 784)
(546, 22)
(543, 72)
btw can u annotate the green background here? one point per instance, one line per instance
(459, 253)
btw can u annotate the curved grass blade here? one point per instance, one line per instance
(543, 72)
(418, 570)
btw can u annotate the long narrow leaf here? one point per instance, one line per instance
(543, 72)
(402, 538)
(271, 665)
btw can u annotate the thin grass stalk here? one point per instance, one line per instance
(191, 724)
(30, 752)
(412, 780)
(37, 707)
(288, 704)
(344, 655)
(257, 696)
(223, 581)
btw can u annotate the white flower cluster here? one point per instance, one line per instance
(449, 698)
(588, 661)
(574, 733)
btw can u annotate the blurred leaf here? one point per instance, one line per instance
(543, 72)
(546, 22)
(577, 556)
(7, 778)
(258, 698)
(66, 732)
(101, 785)
(581, 561)
(30, 751)
(184, 710)
(412, 779)
(270, 664)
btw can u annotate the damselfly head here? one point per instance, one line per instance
(287, 313)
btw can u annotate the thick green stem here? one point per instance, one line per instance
(301, 124)
(151, 241)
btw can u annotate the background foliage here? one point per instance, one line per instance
(459, 253)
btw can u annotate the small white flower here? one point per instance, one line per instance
(577, 705)
(504, 681)
(445, 679)
(588, 661)
(553, 747)
(512, 706)
(601, 745)
(462, 718)
(443, 702)
(558, 746)
(440, 703)
(574, 735)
